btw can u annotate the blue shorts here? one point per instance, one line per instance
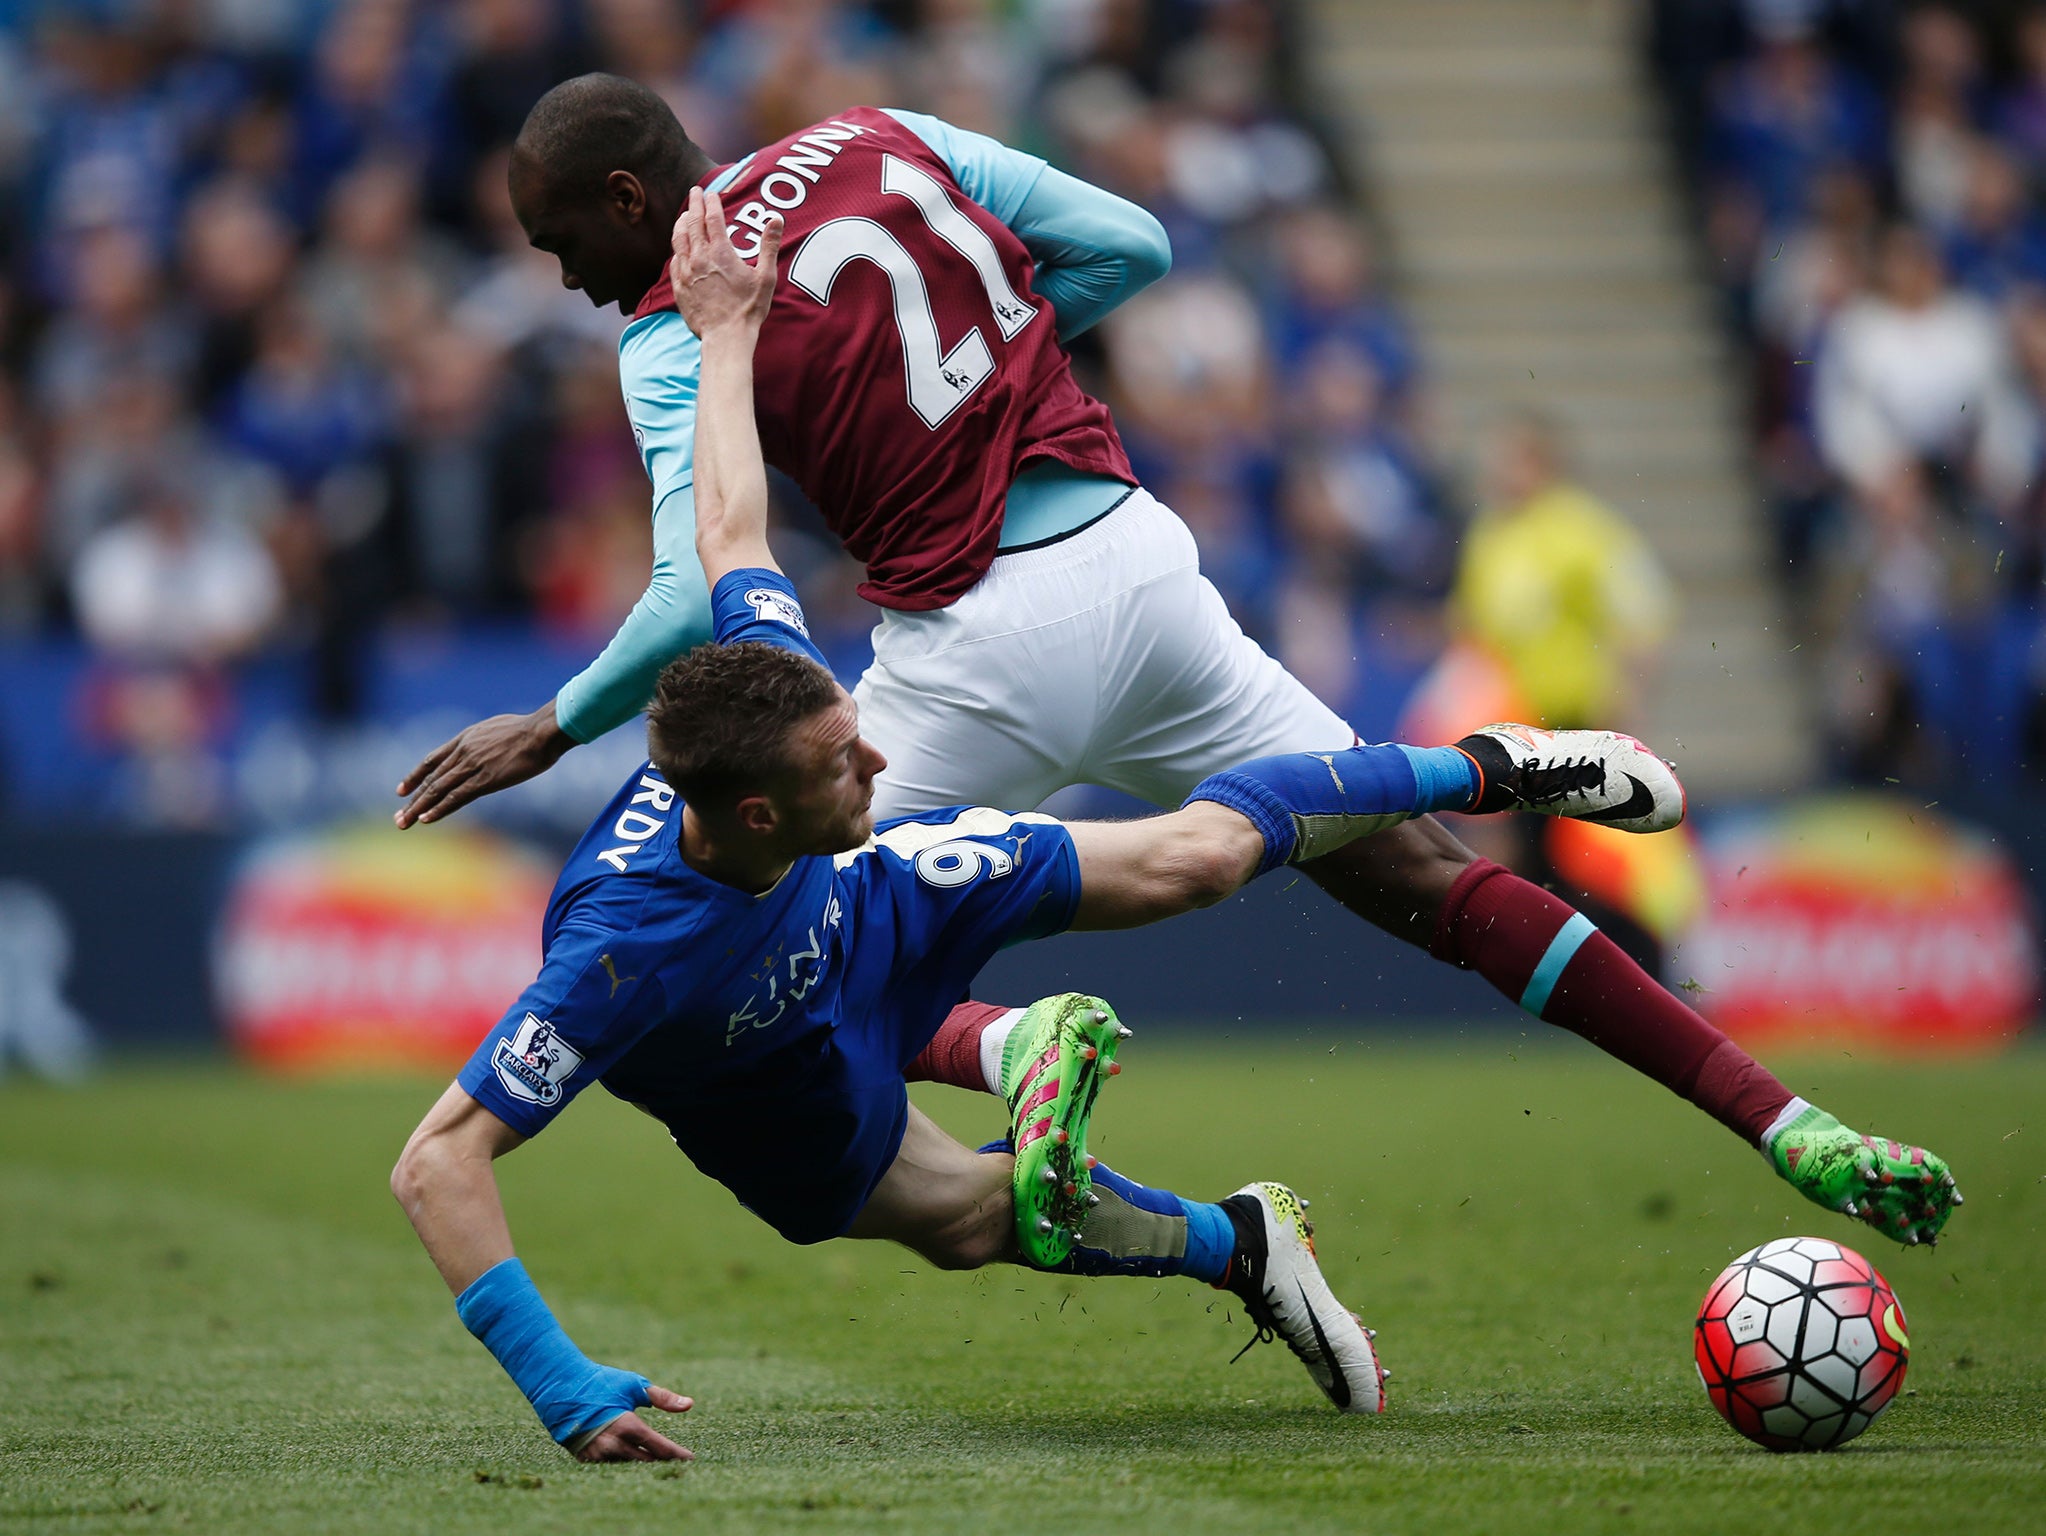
(803, 1143)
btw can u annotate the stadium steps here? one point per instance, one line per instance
(1533, 226)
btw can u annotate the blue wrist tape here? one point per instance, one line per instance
(573, 1395)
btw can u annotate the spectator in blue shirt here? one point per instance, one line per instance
(1999, 243)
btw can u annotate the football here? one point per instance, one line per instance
(1800, 1344)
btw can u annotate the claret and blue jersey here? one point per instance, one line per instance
(909, 376)
(768, 1032)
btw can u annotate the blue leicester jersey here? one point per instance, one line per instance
(768, 1032)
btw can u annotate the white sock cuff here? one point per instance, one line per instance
(992, 1041)
(1784, 1116)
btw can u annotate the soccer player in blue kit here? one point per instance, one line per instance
(736, 948)
(1045, 621)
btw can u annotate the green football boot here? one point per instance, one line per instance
(1905, 1193)
(1053, 1065)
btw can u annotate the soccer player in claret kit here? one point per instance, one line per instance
(739, 949)
(1045, 619)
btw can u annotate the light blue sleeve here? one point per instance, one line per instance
(658, 364)
(1093, 249)
(988, 171)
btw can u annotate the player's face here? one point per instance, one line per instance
(592, 238)
(829, 805)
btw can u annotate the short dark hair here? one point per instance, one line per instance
(719, 724)
(588, 127)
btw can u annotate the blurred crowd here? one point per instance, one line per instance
(1871, 177)
(279, 375)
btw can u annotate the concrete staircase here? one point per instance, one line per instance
(1534, 231)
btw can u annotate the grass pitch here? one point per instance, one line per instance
(213, 1318)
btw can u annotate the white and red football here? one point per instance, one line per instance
(1800, 1344)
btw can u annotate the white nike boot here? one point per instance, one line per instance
(1275, 1275)
(1598, 776)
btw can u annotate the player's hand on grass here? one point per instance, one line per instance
(1904, 1192)
(630, 1438)
(490, 755)
(714, 285)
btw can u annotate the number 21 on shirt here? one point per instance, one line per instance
(939, 381)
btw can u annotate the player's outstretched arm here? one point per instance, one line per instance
(490, 755)
(445, 1182)
(672, 616)
(725, 300)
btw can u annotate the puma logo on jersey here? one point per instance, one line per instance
(611, 970)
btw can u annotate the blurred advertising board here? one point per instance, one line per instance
(1862, 918)
(363, 948)
(105, 930)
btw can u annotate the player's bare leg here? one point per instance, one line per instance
(955, 1207)
(1397, 879)
(943, 1200)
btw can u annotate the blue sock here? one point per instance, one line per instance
(1309, 803)
(1140, 1231)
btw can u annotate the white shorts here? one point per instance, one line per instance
(1106, 658)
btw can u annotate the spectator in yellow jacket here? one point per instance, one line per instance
(1559, 589)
